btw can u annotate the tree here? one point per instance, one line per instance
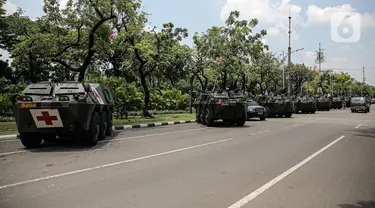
(299, 75)
(266, 72)
(151, 51)
(234, 45)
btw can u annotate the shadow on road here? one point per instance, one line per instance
(71, 145)
(365, 132)
(359, 204)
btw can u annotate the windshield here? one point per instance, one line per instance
(252, 103)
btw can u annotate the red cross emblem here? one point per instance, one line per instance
(47, 118)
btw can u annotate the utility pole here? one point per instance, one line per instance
(363, 80)
(289, 52)
(320, 69)
(283, 70)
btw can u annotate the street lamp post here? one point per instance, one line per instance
(283, 61)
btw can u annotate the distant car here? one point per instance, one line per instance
(359, 104)
(254, 110)
(372, 100)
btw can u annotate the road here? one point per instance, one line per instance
(315, 160)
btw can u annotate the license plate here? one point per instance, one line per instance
(28, 105)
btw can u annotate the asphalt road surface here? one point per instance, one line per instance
(314, 160)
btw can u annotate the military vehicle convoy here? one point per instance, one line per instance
(323, 104)
(305, 104)
(228, 106)
(45, 110)
(359, 104)
(336, 103)
(277, 105)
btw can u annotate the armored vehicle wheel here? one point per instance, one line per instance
(313, 111)
(93, 134)
(262, 118)
(103, 125)
(288, 115)
(198, 115)
(49, 137)
(209, 120)
(31, 140)
(241, 122)
(110, 124)
(203, 117)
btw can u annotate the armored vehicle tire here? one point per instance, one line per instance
(110, 124)
(313, 111)
(103, 125)
(262, 118)
(203, 117)
(241, 122)
(93, 134)
(209, 120)
(288, 115)
(31, 140)
(198, 115)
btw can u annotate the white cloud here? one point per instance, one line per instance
(9, 7)
(265, 41)
(273, 31)
(274, 15)
(316, 15)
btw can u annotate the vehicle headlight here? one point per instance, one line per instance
(250, 109)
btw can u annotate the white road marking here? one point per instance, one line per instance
(113, 164)
(358, 126)
(12, 153)
(268, 185)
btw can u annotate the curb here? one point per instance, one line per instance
(119, 128)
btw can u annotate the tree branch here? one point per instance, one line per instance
(76, 44)
(98, 12)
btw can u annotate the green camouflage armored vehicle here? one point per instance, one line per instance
(323, 104)
(277, 105)
(336, 103)
(220, 105)
(45, 110)
(359, 104)
(305, 104)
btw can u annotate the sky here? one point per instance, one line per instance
(348, 44)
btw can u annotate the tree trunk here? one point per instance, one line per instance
(224, 80)
(146, 107)
(191, 96)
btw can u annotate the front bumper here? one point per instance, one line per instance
(358, 108)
